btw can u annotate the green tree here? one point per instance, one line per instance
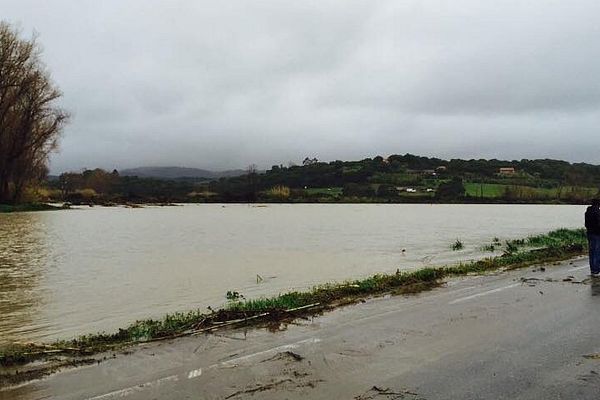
(358, 190)
(452, 190)
(387, 191)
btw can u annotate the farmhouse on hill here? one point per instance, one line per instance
(507, 171)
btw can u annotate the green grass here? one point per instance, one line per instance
(329, 293)
(553, 246)
(555, 238)
(496, 190)
(490, 190)
(490, 247)
(333, 191)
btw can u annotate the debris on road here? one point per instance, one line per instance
(285, 355)
(592, 356)
(387, 393)
(259, 388)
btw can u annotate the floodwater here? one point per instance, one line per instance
(65, 273)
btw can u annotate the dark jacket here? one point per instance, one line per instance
(592, 220)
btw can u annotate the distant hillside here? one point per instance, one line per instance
(411, 178)
(395, 179)
(179, 173)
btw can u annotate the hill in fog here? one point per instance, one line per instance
(178, 172)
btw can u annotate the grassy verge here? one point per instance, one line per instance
(557, 245)
(8, 208)
(495, 190)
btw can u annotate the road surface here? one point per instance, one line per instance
(487, 337)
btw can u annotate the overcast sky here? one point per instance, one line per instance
(223, 84)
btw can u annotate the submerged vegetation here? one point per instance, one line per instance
(458, 245)
(489, 248)
(554, 246)
(8, 208)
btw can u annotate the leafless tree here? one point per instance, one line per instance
(30, 122)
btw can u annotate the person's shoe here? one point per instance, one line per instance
(595, 274)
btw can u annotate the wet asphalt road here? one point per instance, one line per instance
(492, 337)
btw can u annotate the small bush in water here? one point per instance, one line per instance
(458, 245)
(233, 295)
(489, 247)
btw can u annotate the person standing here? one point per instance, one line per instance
(592, 225)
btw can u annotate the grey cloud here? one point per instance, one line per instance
(502, 59)
(223, 85)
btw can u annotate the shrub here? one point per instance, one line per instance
(279, 192)
(87, 194)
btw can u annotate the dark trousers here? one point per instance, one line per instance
(594, 244)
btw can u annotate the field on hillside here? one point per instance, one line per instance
(493, 190)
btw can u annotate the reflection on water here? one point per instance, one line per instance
(66, 273)
(23, 256)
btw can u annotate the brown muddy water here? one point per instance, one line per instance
(65, 273)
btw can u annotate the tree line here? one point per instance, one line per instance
(375, 179)
(380, 177)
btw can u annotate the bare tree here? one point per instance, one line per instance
(252, 176)
(30, 122)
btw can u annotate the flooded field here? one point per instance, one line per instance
(65, 273)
